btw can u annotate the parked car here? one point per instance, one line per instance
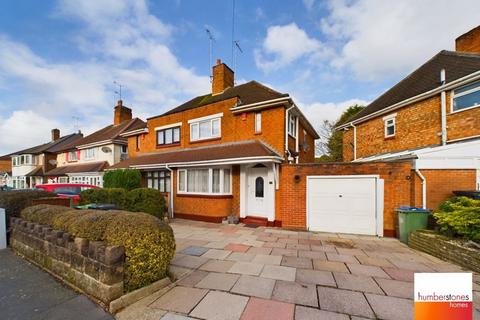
(66, 190)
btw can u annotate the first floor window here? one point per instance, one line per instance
(205, 181)
(205, 129)
(168, 136)
(72, 156)
(89, 154)
(390, 128)
(292, 125)
(466, 97)
(159, 180)
(258, 122)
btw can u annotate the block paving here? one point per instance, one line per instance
(239, 272)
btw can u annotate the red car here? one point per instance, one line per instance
(66, 190)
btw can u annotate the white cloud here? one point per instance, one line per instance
(121, 41)
(380, 39)
(25, 129)
(283, 45)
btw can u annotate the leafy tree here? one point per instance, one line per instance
(127, 179)
(330, 144)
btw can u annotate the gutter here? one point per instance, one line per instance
(258, 105)
(471, 77)
(287, 111)
(424, 188)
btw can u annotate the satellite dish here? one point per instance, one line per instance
(52, 162)
(106, 149)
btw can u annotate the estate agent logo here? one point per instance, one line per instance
(443, 296)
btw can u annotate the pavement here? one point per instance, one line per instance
(27, 292)
(237, 272)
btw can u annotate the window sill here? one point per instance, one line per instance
(389, 138)
(258, 133)
(160, 146)
(210, 196)
(291, 135)
(206, 140)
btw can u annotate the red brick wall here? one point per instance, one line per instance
(442, 183)
(469, 42)
(6, 165)
(417, 125)
(292, 208)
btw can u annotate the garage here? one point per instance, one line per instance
(345, 204)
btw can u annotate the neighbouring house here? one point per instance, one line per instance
(431, 118)
(30, 165)
(85, 160)
(5, 171)
(221, 153)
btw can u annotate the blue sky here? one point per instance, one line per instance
(58, 59)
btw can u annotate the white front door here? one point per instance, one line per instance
(257, 191)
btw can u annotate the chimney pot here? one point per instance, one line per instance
(219, 61)
(55, 134)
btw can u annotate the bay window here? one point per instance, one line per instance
(159, 180)
(214, 181)
(466, 97)
(205, 128)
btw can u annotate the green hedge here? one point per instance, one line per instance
(137, 200)
(149, 243)
(16, 200)
(127, 179)
(459, 217)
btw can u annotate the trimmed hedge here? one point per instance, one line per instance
(459, 217)
(137, 200)
(127, 179)
(16, 200)
(149, 243)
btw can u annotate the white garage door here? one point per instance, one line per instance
(344, 204)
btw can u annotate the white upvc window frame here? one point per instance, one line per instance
(258, 122)
(195, 127)
(75, 156)
(210, 182)
(92, 156)
(388, 121)
(292, 125)
(453, 96)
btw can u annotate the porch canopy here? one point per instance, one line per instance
(93, 167)
(250, 151)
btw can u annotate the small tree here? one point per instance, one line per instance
(127, 179)
(331, 140)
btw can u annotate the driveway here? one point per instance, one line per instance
(233, 272)
(26, 292)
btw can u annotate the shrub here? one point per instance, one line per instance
(15, 201)
(147, 200)
(127, 179)
(137, 200)
(117, 196)
(459, 217)
(149, 243)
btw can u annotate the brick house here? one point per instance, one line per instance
(84, 160)
(431, 118)
(5, 171)
(30, 165)
(221, 153)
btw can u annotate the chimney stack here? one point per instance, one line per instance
(121, 113)
(469, 42)
(55, 134)
(222, 77)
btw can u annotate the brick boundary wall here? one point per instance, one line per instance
(89, 266)
(292, 211)
(445, 249)
(56, 201)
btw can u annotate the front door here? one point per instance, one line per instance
(257, 200)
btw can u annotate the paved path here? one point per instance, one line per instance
(26, 292)
(236, 272)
